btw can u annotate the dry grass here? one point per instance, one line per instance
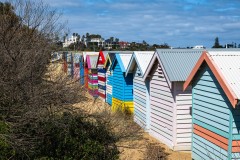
(134, 143)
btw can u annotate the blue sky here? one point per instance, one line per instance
(180, 23)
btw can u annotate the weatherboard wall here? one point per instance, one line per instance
(109, 81)
(81, 67)
(102, 75)
(141, 100)
(122, 88)
(170, 111)
(93, 82)
(161, 107)
(215, 121)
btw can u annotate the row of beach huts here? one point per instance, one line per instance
(186, 98)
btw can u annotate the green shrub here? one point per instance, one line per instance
(71, 137)
(6, 150)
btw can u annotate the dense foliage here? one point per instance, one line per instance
(33, 97)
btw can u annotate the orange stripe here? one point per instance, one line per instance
(208, 135)
(211, 134)
(236, 146)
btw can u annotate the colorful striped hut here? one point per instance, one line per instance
(102, 74)
(69, 59)
(76, 66)
(85, 66)
(122, 86)
(81, 68)
(170, 119)
(65, 66)
(138, 66)
(91, 63)
(109, 79)
(215, 81)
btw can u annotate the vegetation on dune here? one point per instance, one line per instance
(37, 117)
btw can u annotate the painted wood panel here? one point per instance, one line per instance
(122, 88)
(81, 65)
(93, 82)
(109, 85)
(161, 107)
(141, 100)
(183, 100)
(211, 111)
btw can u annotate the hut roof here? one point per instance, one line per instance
(224, 63)
(123, 58)
(88, 53)
(92, 61)
(141, 59)
(176, 63)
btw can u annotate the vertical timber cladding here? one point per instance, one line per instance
(122, 85)
(216, 111)
(102, 74)
(170, 106)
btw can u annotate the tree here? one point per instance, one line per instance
(28, 93)
(216, 43)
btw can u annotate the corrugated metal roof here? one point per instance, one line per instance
(143, 59)
(92, 61)
(89, 53)
(228, 62)
(125, 58)
(178, 63)
(105, 54)
(77, 57)
(111, 56)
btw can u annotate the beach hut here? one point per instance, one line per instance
(122, 86)
(76, 66)
(215, 81)
(85, 66)
(170, 107)
(109, 73)
(138, 66)
(102, 74)
(64, 55)
(81, 68)
(91, 64)
(69, 59)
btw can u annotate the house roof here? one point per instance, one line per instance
(92, 61)
(176, 63)
(141, 59)
(123, 58)
(224, 64)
